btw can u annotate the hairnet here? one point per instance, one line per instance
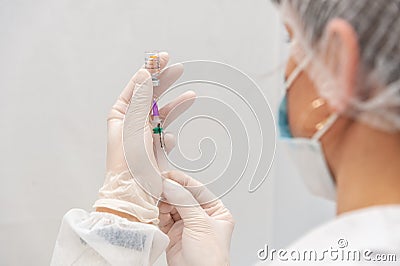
(376, 100)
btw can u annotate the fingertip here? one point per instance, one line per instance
(144, 87)
(170, 187)
(165, 174)
(164, 58)
(170, 173)
(174, 173)
(177, 69)
(192, 93)
(141, 76)
(179, 177)
(164, 207)
(189, 95)
(172, 182)
(164, 54)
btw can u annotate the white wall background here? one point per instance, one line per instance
(62, 65)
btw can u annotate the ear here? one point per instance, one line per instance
(342, 56)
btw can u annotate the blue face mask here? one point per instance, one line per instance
(307, 154)
(283, 120)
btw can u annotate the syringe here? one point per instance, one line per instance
(153, 65)
(157, 123)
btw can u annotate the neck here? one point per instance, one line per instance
(367, 169)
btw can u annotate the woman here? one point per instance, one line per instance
(340, 122)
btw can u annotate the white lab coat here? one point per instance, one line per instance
(106, 239)
(99, 238)
(375, 229)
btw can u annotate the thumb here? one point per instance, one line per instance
(140, 105)
(186, 205)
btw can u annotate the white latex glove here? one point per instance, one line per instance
(129, 129)
(199, 235)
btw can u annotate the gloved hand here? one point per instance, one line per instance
(199, 234)
(134, 197)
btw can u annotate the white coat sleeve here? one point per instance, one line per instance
(99, 238)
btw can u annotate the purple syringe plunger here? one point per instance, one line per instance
(155, 109)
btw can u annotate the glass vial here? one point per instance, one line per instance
(152, 64)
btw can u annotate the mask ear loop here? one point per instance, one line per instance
(325, 126)
(295, 74)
